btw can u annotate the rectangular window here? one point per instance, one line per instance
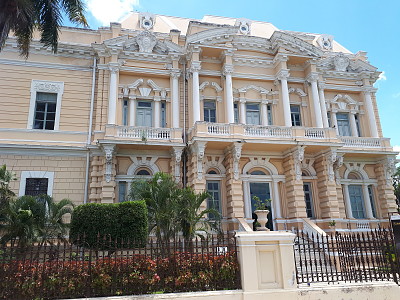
(213, 188)
(45, 111)
(295, 114)
(125, 113)
(252, 114)
(122, 191)
(269, 114)
(343, 124)
(36, 186)
(371, 199)
(357, 117)
(357, 202)
(308, 199)
(163, 115)
(236, 112)
(144, 114)
(210, 112)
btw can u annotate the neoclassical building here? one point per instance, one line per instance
(232, 106)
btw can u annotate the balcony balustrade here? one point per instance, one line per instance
(144, 133)
(365, 142)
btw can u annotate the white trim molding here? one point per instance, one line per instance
(56, 87)
(36, 174)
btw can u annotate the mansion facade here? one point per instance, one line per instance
(232, 106)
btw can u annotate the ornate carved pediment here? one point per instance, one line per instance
(213, 36)
(341, 62)
(144, 42)
(294, 44)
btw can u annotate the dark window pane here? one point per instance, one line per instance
(38, 124)
(51, 116)
(39, 116)
(50, 125)
(48, 97)
(36, 186)
(143, 172)
(51, 107)
(40, 106)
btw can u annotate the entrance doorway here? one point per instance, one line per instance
(262, 191)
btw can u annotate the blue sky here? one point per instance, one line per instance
(371, 26)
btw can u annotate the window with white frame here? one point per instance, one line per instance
(252, 114)
(295, 114)
(35, 183)
(269, 114)
(214, 201)
(236, 113)
(125, 112)
(163, 115)
(122, 191)
(343, 124)
(45, 105)
(210, 111)
(144, 114)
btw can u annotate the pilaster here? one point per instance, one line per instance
(176, 158)
(196, 178)
(108, 186)
(96, 178)
(234, 187)
(327, 190)
(296, 205)
(384, 170)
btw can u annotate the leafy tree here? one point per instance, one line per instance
(396, 185)
(23, 17)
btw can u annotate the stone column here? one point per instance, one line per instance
(113, 89)
(108, 186)
(367, 202)
(282, 75)
(334, 121)
(157, 112)
(264, 115)
(312, 78)
(353, 124)
(175, 98)
(276, 202)
(322, 104)
(347, 201)
(230, 113)
(242, 111)
(195, 68)
(132, 112)
(370, 113)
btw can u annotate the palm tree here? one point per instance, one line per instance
(23, 17)
(162, 195)
(35, 219)
(193, 220)
(5, 193)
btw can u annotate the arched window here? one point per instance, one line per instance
(258, 172)
(143, 172)
(212, 172)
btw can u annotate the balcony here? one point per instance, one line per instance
(366, 142)
(143, 134)
(254, 132)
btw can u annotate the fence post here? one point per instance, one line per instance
(266, 260)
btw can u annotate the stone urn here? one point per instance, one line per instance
(262, 218)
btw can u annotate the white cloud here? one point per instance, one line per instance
(106, 11)
(382, 76)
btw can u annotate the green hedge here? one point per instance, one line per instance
(119, 221)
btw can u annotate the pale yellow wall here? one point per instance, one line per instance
(69, 173)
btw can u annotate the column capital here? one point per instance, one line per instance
(242, 100)
(321, 85)
(114, 67)
(264, 102)
(195, 66)
(227, 69)
(282, 74)
(369, 89)
(175, 73)
(312, 77)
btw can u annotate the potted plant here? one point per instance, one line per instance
(262, 212)
(332, 225)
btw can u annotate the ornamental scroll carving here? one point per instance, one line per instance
(198, 149)
(176, 154)
(236, 153)
(341, 62)
(48, 86)
(298, 156)
(109, 152)
(389, 166)
(331, 159)
(146, 41)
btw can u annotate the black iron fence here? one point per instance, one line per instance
(116, 267)
(347, 257)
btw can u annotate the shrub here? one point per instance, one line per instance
(119, 221)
